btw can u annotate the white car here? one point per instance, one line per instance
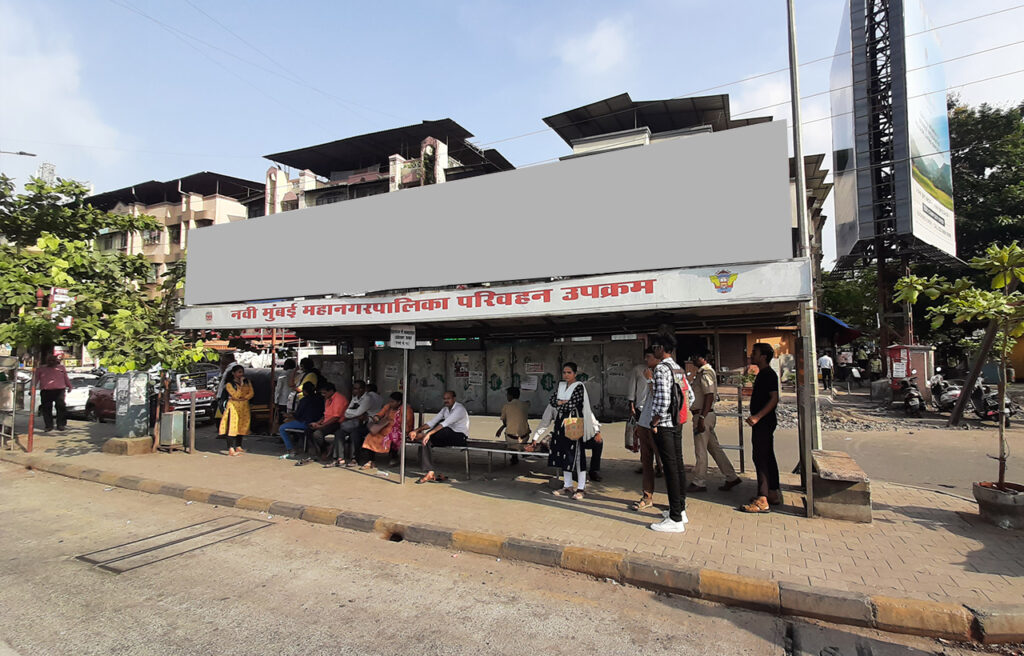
(74, 400)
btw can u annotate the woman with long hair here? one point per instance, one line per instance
(235, 422)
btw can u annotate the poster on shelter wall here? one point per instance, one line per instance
(476, 378)
(529, 383)
(534, 367)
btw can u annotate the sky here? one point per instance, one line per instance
(117, 92)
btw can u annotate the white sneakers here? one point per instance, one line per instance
(668, 526)
(664, 513)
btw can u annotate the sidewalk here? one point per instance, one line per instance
(922, 545)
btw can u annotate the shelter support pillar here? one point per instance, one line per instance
(807, 380)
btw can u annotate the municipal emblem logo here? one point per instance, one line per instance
(724, 280)
(209, 317)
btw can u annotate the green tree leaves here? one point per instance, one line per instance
(47, 239)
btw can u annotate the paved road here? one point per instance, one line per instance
(297, 588)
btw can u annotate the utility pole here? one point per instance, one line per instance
(807, 380)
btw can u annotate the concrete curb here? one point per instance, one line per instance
(993, 623)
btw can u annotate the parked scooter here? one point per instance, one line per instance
(944, 393)
(985, 399)
(913, 402)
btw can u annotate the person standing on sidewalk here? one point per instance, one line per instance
(826, 366)
(645, 438)
(668, 434)
(639, 398)
(705, 441)
(52, 379)
(235, 422)
(763, 420)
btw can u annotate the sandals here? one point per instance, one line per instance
(758, 505)
(563, 492)
(579, 496)
(435, 478)
(368, 466)
(641, 504)
(336, 463)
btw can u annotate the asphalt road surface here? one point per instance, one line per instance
(221, 581)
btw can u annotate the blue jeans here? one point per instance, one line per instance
(295, 424)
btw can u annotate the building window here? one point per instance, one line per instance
(255, 210)
(154, 273)
(204, 223)
(333, 197)
(114, 241)
(150, 237)
(288, 205)
(174, 234)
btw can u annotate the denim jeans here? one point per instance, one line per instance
(295, 424)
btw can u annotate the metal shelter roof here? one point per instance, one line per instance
(365, 150)
(623, 113)
(204, 183)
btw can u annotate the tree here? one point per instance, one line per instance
(963, 301)
(988, 175)
(47, 239)
(853, 298)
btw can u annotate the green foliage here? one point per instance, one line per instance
(963, 301)
(988, 175)
(853, 299)
(47, 240)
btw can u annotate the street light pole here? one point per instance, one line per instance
(19, 152)
(807, 379)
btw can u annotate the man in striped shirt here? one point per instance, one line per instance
(668, 434)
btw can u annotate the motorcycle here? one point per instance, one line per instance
(985, 399)
(913, 402)
(944, 393)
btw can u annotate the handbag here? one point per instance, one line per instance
(572, 426)
(630, 441)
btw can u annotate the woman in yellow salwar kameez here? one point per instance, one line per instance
(235, 422)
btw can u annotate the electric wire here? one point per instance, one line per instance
(750, 78)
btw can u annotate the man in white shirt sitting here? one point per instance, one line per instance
(365, 403)
(450, 427)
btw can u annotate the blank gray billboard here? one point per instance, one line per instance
(703, 200)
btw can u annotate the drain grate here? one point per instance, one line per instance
(155, 548)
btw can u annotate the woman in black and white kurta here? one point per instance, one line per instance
(571, 400)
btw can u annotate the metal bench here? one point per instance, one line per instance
(490, 447)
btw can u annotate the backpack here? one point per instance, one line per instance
(680, 400)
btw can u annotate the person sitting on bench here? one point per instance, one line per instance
(450, 427)
(310, 408)
(515, 422)
(335, 405)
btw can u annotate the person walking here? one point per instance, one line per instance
(53, 382)
(763, 400)
(235, 422)
(826, 366)
(705, 441)
(569, 400)
(668, 434)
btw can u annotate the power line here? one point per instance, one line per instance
(751, 78)
(909, 70)
(289, 75)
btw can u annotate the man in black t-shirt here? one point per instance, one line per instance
(763, 420)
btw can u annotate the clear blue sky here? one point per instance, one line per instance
(114, 98)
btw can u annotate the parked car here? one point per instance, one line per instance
(101, 405)
(75, 400)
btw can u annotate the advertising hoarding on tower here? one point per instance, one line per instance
(910, 152)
